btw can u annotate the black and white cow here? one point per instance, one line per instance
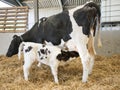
(46, 54)
(78, 25)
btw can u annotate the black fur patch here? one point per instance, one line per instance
(23, 44)
(39, 53)
(63, 56)
(55, 28)
(86, 16)
(41, 58)
(42, 51)
(23, 47)
(73, 54)
(43, 45)
(46, 51)
(66, 55)
(28, 49)
(49, 52)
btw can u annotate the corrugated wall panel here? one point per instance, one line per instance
(110, 10)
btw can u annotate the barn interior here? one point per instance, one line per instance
(110, 21)
(106, 73)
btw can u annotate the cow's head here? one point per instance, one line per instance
(13, 48)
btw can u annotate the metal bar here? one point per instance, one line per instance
(36, 10)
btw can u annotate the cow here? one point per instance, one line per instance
(46, 54)
(77, 25)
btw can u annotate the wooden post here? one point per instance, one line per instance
(36, 10)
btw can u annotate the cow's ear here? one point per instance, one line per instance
(15, 36)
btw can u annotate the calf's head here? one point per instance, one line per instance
(13, 48)
(66, 55)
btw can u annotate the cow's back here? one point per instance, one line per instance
(57, 27)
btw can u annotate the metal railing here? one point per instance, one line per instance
(73, 3)
(44, 3)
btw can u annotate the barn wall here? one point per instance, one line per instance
(110, 10)
(5, 38)
(110, 13)
(46, 12)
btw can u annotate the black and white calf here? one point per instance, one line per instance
(77, 25)
(46, 54)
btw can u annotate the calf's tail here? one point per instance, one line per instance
(20, 50)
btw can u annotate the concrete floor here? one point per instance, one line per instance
(110, 41)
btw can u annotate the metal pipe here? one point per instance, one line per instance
(19, 2)
(36, 10)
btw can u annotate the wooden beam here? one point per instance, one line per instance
(13, 19)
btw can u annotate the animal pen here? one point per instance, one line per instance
(106, 71)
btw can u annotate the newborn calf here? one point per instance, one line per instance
(46, 54)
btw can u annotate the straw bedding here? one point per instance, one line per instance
(105, 75)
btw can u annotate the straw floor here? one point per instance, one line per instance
(105, 75)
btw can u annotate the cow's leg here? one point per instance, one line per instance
(27, 64)
(91, 49)
(85, 62)
(92, 52)
(54, 70)
(91, 41)
(82, 49)
(81, 44)
(91, 64)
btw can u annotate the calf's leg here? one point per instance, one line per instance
(39, 64)
(26, 67)
(54, 70)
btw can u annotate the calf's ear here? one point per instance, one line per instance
(15, 36)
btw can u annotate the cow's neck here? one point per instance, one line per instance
(30, 36)
(27, 37)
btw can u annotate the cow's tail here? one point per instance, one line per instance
(20, 50)
(92, 4)
(99, 43)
